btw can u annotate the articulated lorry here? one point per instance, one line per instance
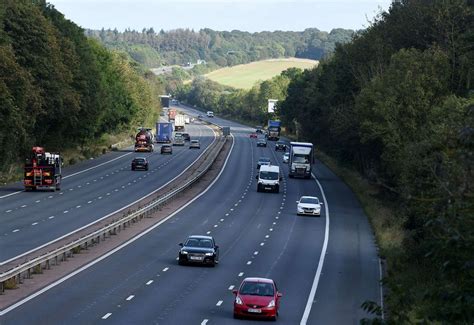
(42, 170)
(274, 128)
(165, 101)
(301, 159)
(179, 122)
(164, 132)
(144, 140)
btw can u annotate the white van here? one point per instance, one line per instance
(268, 179)
(210, 114)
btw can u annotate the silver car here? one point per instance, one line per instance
(308, 205)
(286, 157)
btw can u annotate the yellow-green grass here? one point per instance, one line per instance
(246, 75)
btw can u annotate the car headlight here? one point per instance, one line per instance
(184, 252)
(238, 301)
(209, 254)
(300, 208)
(271, 304)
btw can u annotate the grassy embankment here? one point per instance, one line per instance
(245, 76)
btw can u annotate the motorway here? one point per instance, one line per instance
(259, 234)
(89, 191)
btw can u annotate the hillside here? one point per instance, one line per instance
(244, 76)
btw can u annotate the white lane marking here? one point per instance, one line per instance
(37, 201)
(314, 287)
(89, 202)
(100, 197)
(271, 229)
(85, 267)
(226, 214)
(208, 232)
(16, 230)
(34, 223)
(106, 316)
(52, 217)
(261, 244)
(23, 206)
(130, 297)
(231, 287)
(8, 211)
(241, 274)
(381, 289)
(267, 236)
(77, 207)
(166, 269)
(222, 220)
(149, 282)
(215, 226)
(249, 262)
(50, 197)
(65, 211)
(255, 253)
(219, 303)
(204, 322)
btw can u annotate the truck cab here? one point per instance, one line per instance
(300, 160)
(210, 114)
(268, 179)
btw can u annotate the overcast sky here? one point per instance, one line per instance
(245, 15)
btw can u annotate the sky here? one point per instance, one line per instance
(222, 15)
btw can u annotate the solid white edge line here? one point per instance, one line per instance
(312, 293)
(112, 213)
(80, 172)
(52, 285)
(204, 322)
(106, 316)
(381, 289)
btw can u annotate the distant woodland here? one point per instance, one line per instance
(153, 49)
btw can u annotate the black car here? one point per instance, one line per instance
(261, 143)
(259, 129)
(280, 146)
(263, 161)
(140, 163)
(186, 136)
(166, 148)
(199, 249)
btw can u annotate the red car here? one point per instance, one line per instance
(253, 135)
(257, 297)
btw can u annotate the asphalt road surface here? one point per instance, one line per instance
(258, 234)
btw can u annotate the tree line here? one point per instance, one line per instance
(221, 48)
(59, 89)
(396, 104)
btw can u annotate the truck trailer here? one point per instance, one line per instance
(300, 160)
(42, 170)
(179, 122)
(164, 132)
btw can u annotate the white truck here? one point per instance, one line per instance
(179, 122)
(300, 160)
(268, 178)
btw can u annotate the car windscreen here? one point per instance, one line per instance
(309, 200)
(269, 176)
(300, 159)
(197, 242)
(264, 160)
(257, 289)
(139, 160)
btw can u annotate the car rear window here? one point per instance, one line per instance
(257, 289)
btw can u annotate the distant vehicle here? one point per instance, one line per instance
(280, 146)
(274, 128)
(166, 148)
(140, 163)
(263, 161)
(257, 297)
(268, 179)
(308, 205)
(187, 120)
(42, 170)
(179, 122)
(178, 140)
(199, 116)
(199, 249)
(194, 144)
(210, 114)
(165, 100)
(261, 143)
(164, 132)
(171, 115)
(253, 135)
(286, 157)
(259, 129)
(144, 140)
(186, 136)
(301, 159)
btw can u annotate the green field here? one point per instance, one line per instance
(246, 75)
